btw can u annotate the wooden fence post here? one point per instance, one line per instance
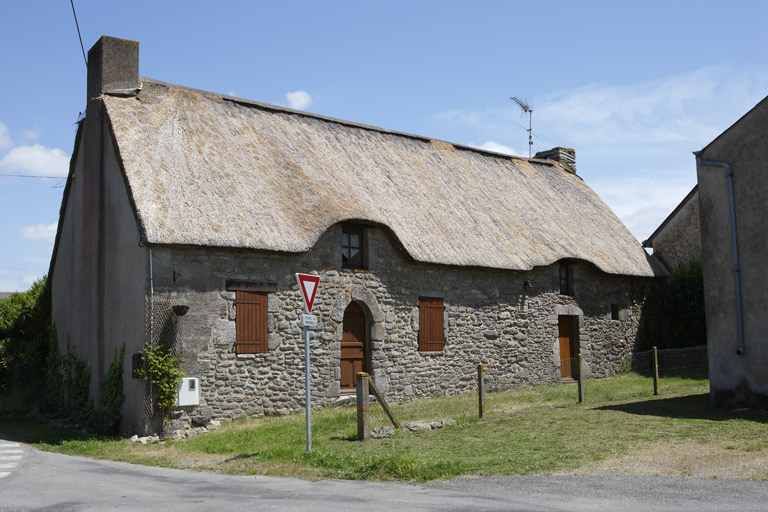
(580, 380)
(384, 405)
(655, 371)
(363, 419)
(481, 390)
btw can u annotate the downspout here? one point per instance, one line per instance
(151, 295)
(736, 269)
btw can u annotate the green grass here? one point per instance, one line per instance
(541, 430)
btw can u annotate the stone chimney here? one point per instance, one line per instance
(564, 156)
(113, 67)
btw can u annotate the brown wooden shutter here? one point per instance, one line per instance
(251, 322)
(431, 324)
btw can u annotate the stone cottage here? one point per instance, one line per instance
(187, 213)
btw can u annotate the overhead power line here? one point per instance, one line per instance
(34, 176)
(85, 59)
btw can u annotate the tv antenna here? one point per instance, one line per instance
(523, 104)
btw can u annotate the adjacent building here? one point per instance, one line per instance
(732, 190)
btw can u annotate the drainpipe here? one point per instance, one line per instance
(736, 270)
(151, 294)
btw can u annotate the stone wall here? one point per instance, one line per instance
(679, 241)
(489, 317)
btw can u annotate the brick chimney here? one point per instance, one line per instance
(113, 67)
(564, 156)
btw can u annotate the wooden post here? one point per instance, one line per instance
(655, 371)
(363, 419)
(481, 390)
(580, 380)
(383, 402)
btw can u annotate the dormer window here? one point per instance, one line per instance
(352, 247)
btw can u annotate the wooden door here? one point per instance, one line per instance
(352, 346)
(567, 347)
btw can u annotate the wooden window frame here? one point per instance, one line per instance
(431, 324)
(251, 333)
(360, 231)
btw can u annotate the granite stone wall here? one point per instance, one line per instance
(490, 318)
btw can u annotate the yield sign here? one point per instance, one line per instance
(308, 285)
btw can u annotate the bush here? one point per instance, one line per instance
(24, 338)
(673, 312)
(163, 371)
(685, 306)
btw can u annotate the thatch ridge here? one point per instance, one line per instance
(209, 170)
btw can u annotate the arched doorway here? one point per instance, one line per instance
(353, 339)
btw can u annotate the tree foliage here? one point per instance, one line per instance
(685, 306)
(673, 312)
(25, 338)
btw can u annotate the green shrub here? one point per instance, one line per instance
(77, 383)
(163, 371)
(24, 338)
(107, 416)
(673, 312)
(685, 306)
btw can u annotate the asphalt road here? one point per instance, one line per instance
(53, 482)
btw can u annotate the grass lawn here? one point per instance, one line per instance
(540, 431)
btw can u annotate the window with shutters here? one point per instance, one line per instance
(250, 322)
(431, 336)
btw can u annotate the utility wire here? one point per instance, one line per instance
(78, 32)
(33, 176)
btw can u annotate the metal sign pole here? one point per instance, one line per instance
(308, 285)
(308, 392)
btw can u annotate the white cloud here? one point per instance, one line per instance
(31, 134)
(13, 282)
(39, 232)
(633, 142)
(5, 139)
(642, 203)
(497, 148)
(299, 100)
(36, 160)
(690, 108)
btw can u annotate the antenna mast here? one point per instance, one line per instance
(523, 104)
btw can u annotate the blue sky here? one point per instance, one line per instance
(634, 87)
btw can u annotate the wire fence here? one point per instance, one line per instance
(680, 371)
(161, 327)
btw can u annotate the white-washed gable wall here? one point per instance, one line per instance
(489, 318)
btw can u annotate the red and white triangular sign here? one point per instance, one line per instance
(308, 285)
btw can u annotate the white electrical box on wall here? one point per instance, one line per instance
(189, 392)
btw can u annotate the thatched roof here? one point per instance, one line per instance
(205, 169)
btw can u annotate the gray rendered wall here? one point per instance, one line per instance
(126, 281)
(489, 318)
(93, 333)
(737, 379)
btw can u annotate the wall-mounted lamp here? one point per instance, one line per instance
(180, 309)
(527, 285)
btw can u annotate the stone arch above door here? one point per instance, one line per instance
(371, 306)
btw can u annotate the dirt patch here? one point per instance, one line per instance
(683, 459)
